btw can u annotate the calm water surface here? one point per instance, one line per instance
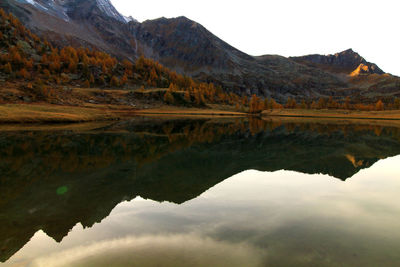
(226, 192)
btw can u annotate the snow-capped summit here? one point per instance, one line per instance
(107, 8)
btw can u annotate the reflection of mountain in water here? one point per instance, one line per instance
(53, 180)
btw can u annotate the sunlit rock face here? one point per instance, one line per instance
(346, 62)
(366, 69)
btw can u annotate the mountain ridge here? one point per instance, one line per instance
(189, 48)
(346, 62)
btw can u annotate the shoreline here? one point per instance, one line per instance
(43, 113)
(334, 114)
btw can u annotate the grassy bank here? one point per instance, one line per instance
(337, 114)
(178, 111)
(47, 113)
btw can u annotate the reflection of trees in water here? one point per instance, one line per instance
(68, 152)
(39, 155)
(257, 125)
(169, 160)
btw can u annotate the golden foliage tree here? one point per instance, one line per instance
(91, 79)
(187, 96)
(124, 80)
(7, 68)
(114, 81)
(291, 103)
(256, 105)
(322, 104)
(23, 73)
(86, 84)
(169, 97)
(379, 105)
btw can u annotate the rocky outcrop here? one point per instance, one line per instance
(366, 69)
(343, 62)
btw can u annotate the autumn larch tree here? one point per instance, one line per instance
(86, 84)
(347, 104)
(91, 79)
(187, 96)
(303, 104)
(255, 104)
(396, 104)
(380, 106)
(291, 103)
(7, 68)
(114, 81)
(168, 97)
(124, 80)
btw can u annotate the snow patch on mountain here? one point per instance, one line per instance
(129, 19)
(49, 6)
(107, 8)
(59, 8)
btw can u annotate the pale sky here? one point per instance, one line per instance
(290, 27)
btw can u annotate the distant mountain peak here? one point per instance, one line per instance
(129, 19)
(350, 50)
(60, 8)
(347, 61)
(107, 8)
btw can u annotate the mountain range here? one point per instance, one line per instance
(187, 47)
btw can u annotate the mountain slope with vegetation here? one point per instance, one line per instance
(33, 70)
(188, 48)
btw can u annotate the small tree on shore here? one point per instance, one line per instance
(114, 81)
(379, 105)
(187, 96)
(168, 97)
(303, 104)
(86, 84)
(396, 104)
(256, 105)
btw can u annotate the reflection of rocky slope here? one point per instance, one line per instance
(52, 181)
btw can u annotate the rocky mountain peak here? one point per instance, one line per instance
(346, 61)
(65, 8)
(108, 9)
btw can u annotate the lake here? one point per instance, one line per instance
(201, 192)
